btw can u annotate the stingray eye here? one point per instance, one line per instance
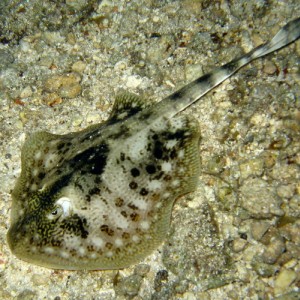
(55, 213)
(65, 205)
(62, 208)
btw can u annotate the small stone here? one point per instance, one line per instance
(270, 68)
(263, 269)
(26, 92)
(66, 86)
(133, 81)
(258, 229)
(79, 66)
(260, 199)
(253, 167)
(129, 286)
(37, 279)
(284, 279)
(285, 191)
(239, 245)
(274, 249)
(70, 91)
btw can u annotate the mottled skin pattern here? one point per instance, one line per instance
(102, 198)
(97, 199)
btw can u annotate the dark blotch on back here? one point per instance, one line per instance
(60, 146)
(41, 175)
(119, 202)
(130, 112)
(177, 135)
(135, 172)
(150, 169)
(133, 185)
(158, 150)
(92, 160)
(107, 230)
(94, 191)
(205, 78)
(175, 96)
(143, 192)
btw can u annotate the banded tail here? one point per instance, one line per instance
(193, 91)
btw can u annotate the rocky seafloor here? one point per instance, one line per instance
(238, 235)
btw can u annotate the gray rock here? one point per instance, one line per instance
(260, 199)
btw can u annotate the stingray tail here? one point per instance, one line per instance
(192, 92)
